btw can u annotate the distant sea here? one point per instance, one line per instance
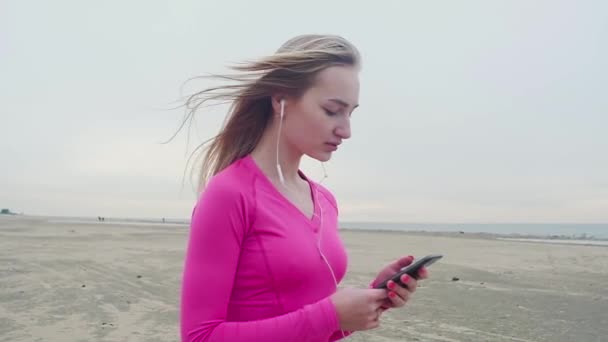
(545, 230)
(582, 231)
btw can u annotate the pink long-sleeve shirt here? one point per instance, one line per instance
(253, 269)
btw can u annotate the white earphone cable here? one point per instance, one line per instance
(279, 170)
(321, 234)
(316, 199)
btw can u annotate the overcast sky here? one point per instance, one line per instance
(471, 111)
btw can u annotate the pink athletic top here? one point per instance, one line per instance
(253, 271)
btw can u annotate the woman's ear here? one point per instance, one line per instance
(279, 102)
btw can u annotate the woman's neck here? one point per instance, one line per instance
(265, 155)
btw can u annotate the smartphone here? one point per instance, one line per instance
(411, 270)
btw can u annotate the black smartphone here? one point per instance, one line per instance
(411, 270)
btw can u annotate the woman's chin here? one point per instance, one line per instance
(321, 156)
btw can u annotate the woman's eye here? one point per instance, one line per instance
(330, 113)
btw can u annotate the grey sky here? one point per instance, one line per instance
(471, 111)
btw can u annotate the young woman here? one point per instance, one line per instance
(264, 258)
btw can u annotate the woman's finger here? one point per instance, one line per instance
(398, 300)
(423, 273)
(401, 291)
(410, 283)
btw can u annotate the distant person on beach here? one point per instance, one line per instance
(264, 259)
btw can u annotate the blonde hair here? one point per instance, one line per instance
(291, 70)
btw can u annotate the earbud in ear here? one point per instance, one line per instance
(282, 108)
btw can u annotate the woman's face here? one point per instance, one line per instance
(319, 120)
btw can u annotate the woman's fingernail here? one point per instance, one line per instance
(392, 294)
(391, 285)
(405, 278)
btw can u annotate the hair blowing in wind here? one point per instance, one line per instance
(248, 90)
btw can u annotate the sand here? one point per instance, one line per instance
(106, 282)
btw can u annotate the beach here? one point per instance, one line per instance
(104, 281)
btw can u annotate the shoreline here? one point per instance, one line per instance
(582, 240)
(550, 239)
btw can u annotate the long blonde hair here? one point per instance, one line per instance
(291, 70)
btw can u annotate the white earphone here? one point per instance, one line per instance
(316, 195)
(279, 170)
(282, 179)
(331, 270)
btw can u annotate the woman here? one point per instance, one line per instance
(264, 258)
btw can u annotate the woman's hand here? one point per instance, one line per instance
(359, 309)
(397, 296)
